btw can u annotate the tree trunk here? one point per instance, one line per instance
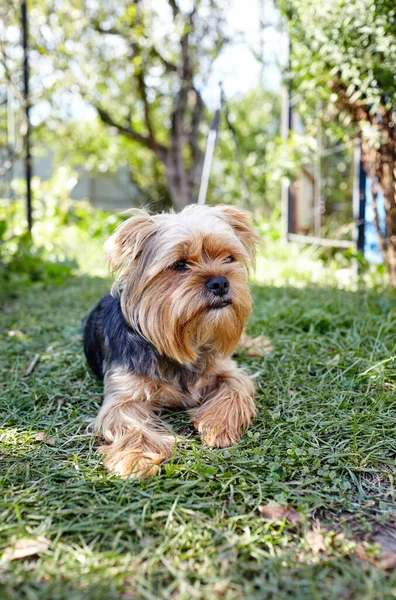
(390, 210)
(382, 162)
(178, 181)
(178, 178)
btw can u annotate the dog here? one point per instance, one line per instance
(162, 339)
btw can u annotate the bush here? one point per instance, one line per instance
(67, 235)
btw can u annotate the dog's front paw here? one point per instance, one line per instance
(222, 424)
(219, 435)
(130, 462)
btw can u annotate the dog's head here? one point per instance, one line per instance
(183, 278)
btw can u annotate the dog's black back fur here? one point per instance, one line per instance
(109, 341)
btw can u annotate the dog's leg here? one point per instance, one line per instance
(137, 443)
(228, 407)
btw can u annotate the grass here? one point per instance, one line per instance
(324, 443)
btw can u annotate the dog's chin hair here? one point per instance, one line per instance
(186, 328)
(208, 331)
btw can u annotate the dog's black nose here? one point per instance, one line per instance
(219, 286)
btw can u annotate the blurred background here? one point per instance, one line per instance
(108, 105)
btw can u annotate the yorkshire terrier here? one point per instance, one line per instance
(164, 336)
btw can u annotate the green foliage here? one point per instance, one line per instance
(67, 235)
(342, 65)
(282, 264)
(29, 264)
(20, 259)
(336, 44)
(243, 170)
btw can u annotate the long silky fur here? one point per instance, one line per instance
(161, 340)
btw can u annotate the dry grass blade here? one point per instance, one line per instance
(32, 365)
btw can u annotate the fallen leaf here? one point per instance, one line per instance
(274, 512)
(386, 538)
(361, 552)
(258, 346)
(335, 360)
(25, 547)
(42, 437)
(315, 541)
(388, 561)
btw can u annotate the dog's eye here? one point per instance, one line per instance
(229, 259)
(180, 265)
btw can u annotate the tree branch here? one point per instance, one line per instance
(175, 8)
(111, 31)
(146, 106)
(193, 138)
(130, 133)
(155, 53)
(169, 66)
(185, 76)
(8, 73)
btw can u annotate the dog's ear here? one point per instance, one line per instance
(128, 241)
(241, 222)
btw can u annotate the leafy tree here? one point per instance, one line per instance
(242, 171)
(141, 67)
(344, 54)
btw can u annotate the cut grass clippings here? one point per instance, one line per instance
(323, 446)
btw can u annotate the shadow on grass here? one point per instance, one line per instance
(324, 442)
(271, 574)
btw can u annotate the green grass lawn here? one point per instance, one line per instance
(324, 443)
